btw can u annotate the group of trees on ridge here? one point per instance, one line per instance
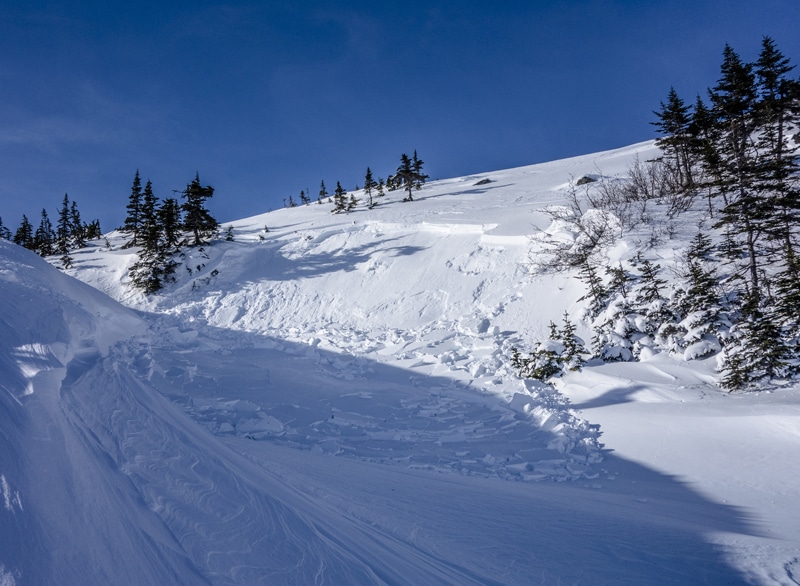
(738, 289)
(70, 233)
(408, 176)
(158, 229)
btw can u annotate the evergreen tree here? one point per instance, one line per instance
(778, 112)
(196, 218)
(352, 203)
(734, 103)
(339, 199)
(304, 198)
(572, 356)
(132, 220)
(169, 217)
(405, 176)
(77, 230)
(597, 293)
(63, 229)
(369, 185)
(93, 231)
(674, 123)
(756, 350)
(419, 177)
(380, 187)
(44, 237)
(323, 192)
(5, 233)
(24, 234)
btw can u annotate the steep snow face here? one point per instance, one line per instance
(330, 402)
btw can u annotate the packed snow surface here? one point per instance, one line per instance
(327, 400)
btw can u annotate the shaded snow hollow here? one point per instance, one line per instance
(330, 402)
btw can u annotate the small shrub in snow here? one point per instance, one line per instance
(562, 351)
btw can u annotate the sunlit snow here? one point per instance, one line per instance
(329, 401)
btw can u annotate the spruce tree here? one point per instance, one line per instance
(169, 217)
(5, 233)
(132, 219)
(93, 231)
(323, 192)
(419, 177)
(24, 234)
(339, 199)
(674, 123)
(77, 229)
(44, 237)
(734, 103)
(63, 229)
(756, 350)
(369, 185)
(572, 356)
(405, 176)
(196, 218)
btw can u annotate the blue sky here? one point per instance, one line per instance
(264, 99)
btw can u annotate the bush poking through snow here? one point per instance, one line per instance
(562, 351)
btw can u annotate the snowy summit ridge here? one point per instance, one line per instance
(328, 399)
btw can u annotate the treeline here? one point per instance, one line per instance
(736, 290)
(70, 233)
(408, 177)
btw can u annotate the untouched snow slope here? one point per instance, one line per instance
(330, 402)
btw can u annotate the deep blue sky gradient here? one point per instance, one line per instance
(264, 99)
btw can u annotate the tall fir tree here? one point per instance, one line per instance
(63, 228)
(369, 186)
(24, 234)
(169, 217)
(674, 123)
(44, 237)
(77, 228)
(133, 217)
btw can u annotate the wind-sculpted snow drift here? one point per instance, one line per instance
(330, 402)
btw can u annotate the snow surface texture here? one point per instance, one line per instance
(330, 402)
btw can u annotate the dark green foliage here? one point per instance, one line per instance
(229, 234)
(197, 220)
(419, 177)
(93, 231)
(304, 198)
(563, 350)
(133, 217)
(597, 294)
(63, 228)
(756, 350)
(5, 233)
(77, 228)
(24, 234)
(339, 199)
(369, 185)
(45, 236)
(409, 175)
(323, 192)
(674, 123)
(169, 217)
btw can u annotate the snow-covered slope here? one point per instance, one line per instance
(330, 401)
